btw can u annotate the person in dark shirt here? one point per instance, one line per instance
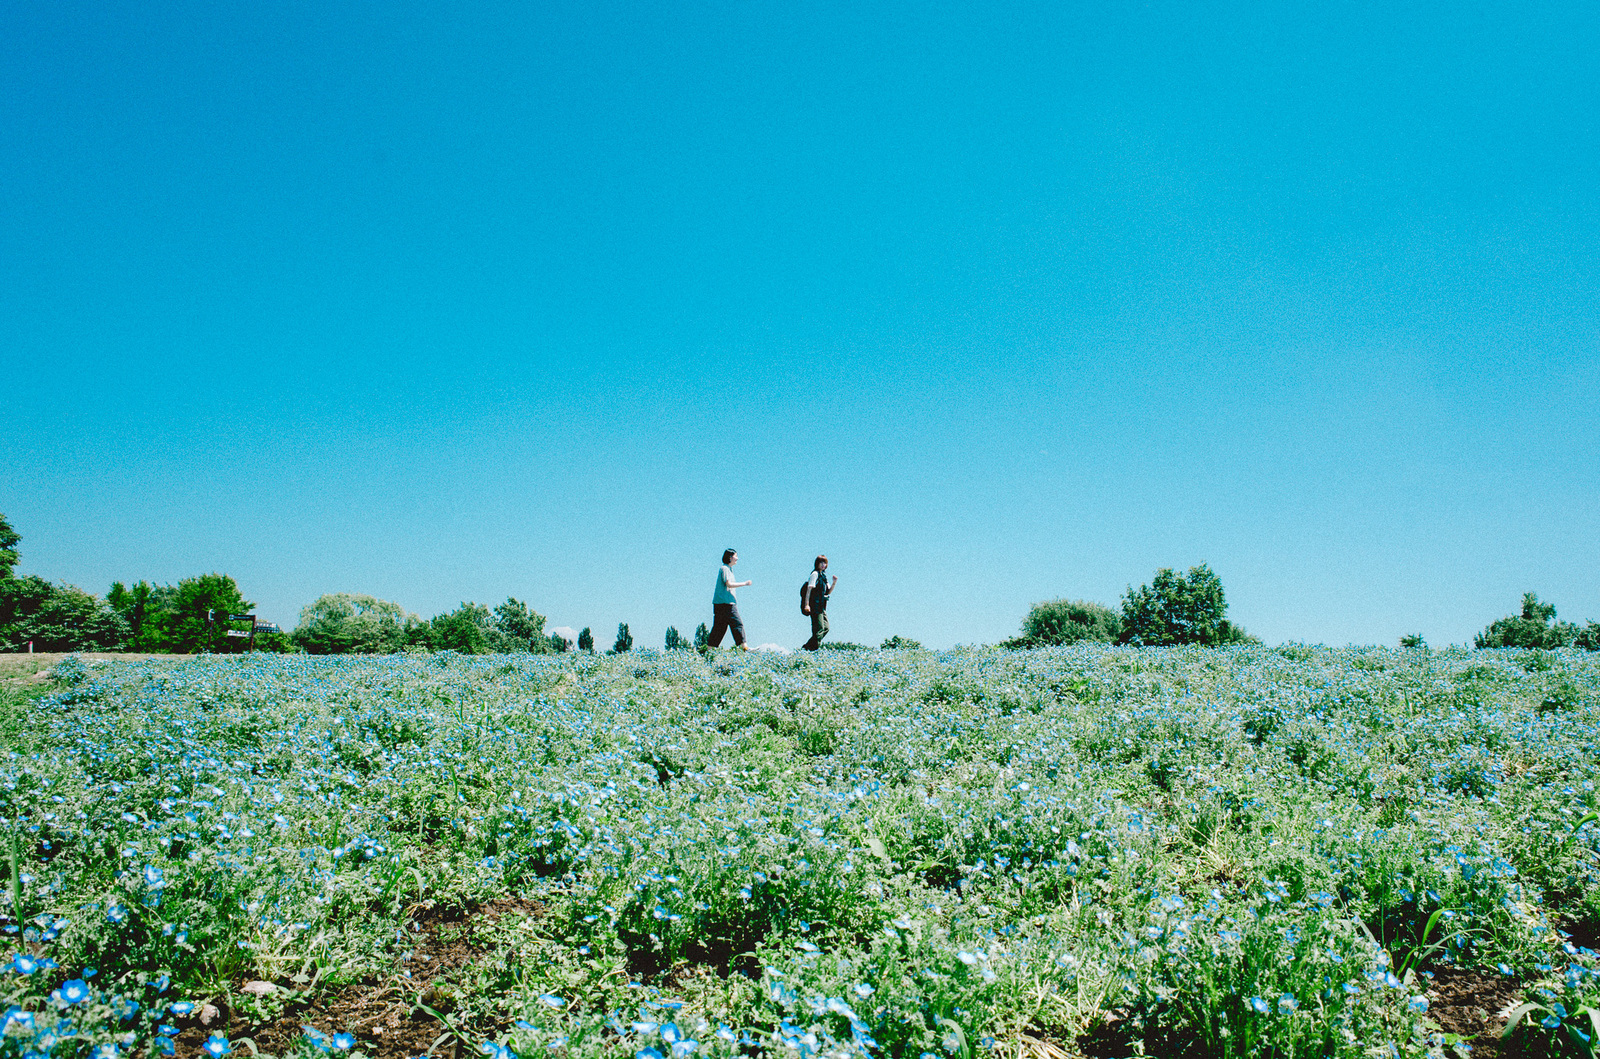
(817, 592)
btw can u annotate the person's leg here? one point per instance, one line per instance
(719, 624)
(819, 626)
(736, 624)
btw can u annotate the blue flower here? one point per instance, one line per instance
(1287, 1004)
(1419, 1004)
(24, 964)
(495, 1050)
(72, 991)
(181, 1008)
(344, 1041)
(1259, 1004)
(217, 1045)
(153, 877)
(648, 1053)
(551, 1000)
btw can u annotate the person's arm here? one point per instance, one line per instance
(829, 590)
(727, 579)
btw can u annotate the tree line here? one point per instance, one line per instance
(195, 615)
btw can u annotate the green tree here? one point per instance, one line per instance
(624, 642)
(585, 640)
(559, 644)
(1414, 641)
(346, 623)
(675, 640)
(1536, 626)
(56, 618)
(702, 636)
(1064, 621)
(468, 629)
(198, 618)
(900, 643)
(1179, 609)
(9, 539)
(520, 628)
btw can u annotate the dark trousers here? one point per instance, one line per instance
(819, 629)
(727, 618)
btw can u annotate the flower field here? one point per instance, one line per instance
(1101, 851)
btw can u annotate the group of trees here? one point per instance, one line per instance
(195, 615)
(189, 616)
(1172, 609)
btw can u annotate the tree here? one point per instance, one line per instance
(56, 618)
(900, 643)
(702, 636)
(624, 642)
(675, 640)
(520, 628)
(198, 619)
(559, 644)
(1064, 621)
(585, 640)
(346, 623)
(1536, 626)
(1414, 641)
(1179, 609)
(9, 538)
(468, 629)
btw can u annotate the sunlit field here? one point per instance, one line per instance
(1192, 852)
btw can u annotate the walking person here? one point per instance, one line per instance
(817, 591)
(724, 605)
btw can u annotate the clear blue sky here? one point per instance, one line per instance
(992, 303)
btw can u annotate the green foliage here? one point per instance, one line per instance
(702, 636)
(197, 620)
(624, 640)
(1176, 609)
(559, 644)
(1413, 642)
(345, 623)
(1536, 627)
(1066, 621)
(56, 618)
(843, 645)
(675, 640)
(469, 630)
(585, 639)
(900, 643)
(520, 628)
(9, 539)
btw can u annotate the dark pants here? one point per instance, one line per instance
(727, 618)
(819, 629)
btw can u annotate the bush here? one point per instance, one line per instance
(1179, 609)
(675, 640)
(1064, 621)
(1413, 641)
(900, 643)
(1536, 627)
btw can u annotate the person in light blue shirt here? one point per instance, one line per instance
(725, 605)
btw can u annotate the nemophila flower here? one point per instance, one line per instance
(1287, 1004)
(116, 913)
(343, 1041)
(167, 1030)
(217, 1045)
(495, 1050)
(72, 991)
(555, 1043)
(648, 1053)
(1259, 1004)
(181, 1008)
(551, 1000)
(19, 1018)
(103, 1051)
(317, 1038)
(24, 964)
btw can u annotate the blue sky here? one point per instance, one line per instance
(991, 303)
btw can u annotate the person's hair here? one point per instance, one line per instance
(729, 554)
(820, 560)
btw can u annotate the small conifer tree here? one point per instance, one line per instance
(624, 639)
(586, 640)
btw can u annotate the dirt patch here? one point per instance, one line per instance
(382, 1012)
(1473, 1003)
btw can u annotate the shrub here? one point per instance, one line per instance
(675, 640)
(56, 618)
(1063, 621)
(1413, 641)
(900, 643)
(1179, 609)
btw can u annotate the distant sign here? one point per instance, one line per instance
(237, 632)
(241, 617)
(267, 626)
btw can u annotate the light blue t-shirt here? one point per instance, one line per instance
(724, 594)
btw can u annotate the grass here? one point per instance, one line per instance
(1198, 852)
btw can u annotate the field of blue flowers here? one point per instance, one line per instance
(1198, 852)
